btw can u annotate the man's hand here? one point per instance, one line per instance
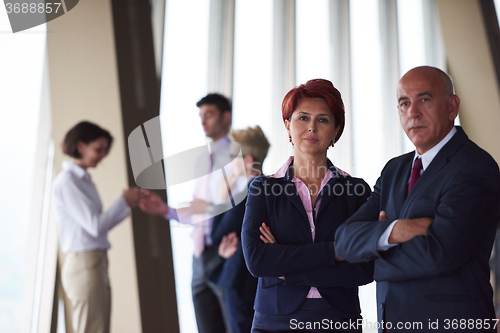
(404, 230)
(198, 206)
(337, 257)
(151, 203)
(227, 246)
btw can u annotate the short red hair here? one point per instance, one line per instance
(317, 88)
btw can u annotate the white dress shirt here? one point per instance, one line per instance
(208, 187)
(83, 226)
(427, 157)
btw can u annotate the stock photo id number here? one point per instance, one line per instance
(26, 14)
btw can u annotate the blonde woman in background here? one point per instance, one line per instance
(231, 274)
(240, 286)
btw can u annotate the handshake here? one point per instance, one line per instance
(151, 203)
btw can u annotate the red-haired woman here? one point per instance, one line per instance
(291, 219)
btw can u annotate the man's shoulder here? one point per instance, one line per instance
(398, 161)
(472, 151)
(462, 150)
(462, 157)
(402, 158)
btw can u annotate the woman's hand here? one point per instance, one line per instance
(227, 246)
(132, 196)
(267, 237)
(151, 203)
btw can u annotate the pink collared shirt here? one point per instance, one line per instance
(305, 197)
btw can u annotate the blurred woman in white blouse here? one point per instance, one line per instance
(84, 226)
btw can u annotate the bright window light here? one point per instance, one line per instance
(313, 43)
(252, 99)
(411, 34)
(184, 82)
(411, 41)
(21, 71)
(366, 90)
(367, 115)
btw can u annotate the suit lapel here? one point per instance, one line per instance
(285, 184)
(401, 187)
(294, 198)
(327, 194)
(440, 161)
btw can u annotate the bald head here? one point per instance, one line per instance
(432, 74)
(427, 106)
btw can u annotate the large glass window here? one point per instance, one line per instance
(366, 90)
(252, 100)
(411, 42)
(367, 115)
(313, 47)
(184, 83)
(21, 72)
(411, 34)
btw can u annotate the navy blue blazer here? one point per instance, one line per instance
(445, 275)
(304, 264)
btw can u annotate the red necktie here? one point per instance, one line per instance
(415, 173)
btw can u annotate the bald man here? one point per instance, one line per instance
(430, 223)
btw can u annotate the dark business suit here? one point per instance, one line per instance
(240, 286)
(208, 298)
(304, 263)
(444, 275)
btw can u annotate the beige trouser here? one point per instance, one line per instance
(86, 282)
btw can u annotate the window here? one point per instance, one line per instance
(313, 49)
(252, 100)
(22, 71)
(184, 83)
